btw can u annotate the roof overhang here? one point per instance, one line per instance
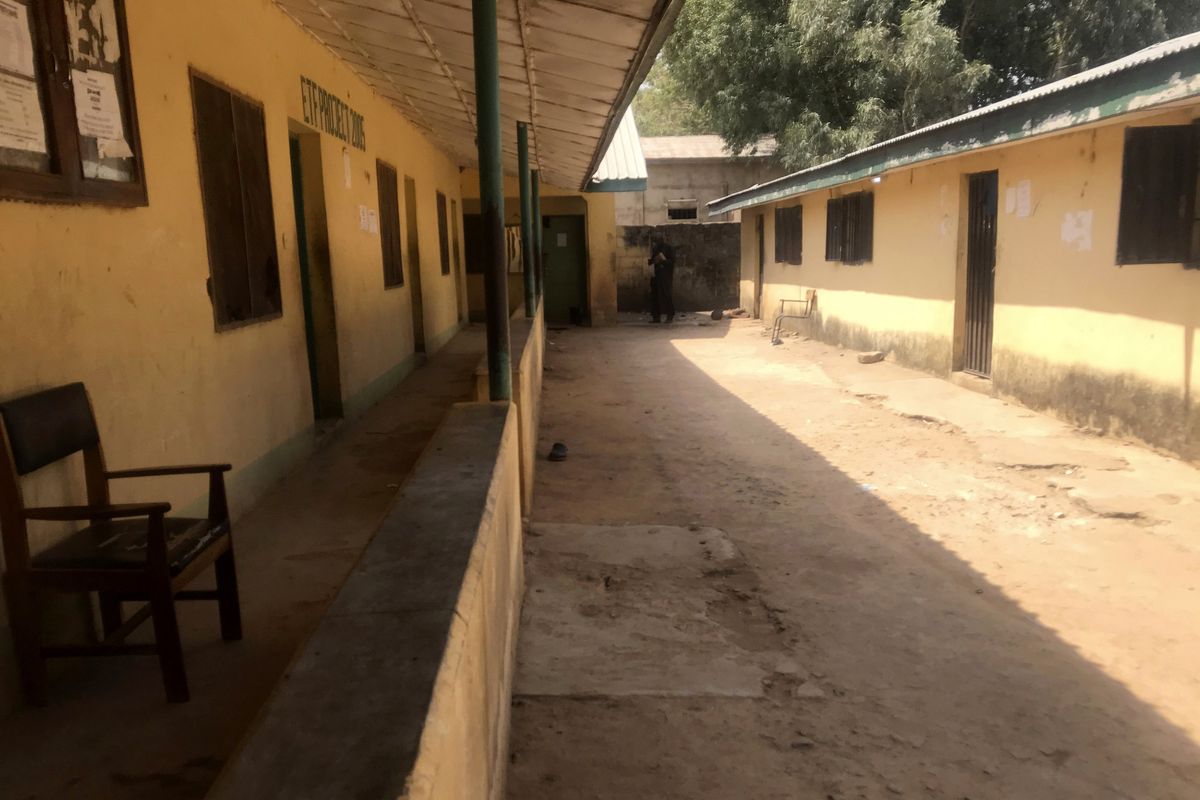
(623, 168)
(1151, 78)
(567, 67)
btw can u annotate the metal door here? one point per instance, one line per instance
(981, 273)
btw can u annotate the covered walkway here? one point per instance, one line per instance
(107, 732)
(775, 573)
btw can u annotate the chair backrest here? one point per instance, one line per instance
(48, 426)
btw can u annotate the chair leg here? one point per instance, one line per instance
(24, 624)
(228, 605)
(168, 644)
(110, 613)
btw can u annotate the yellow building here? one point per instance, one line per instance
(1043, 248)
(240, 222)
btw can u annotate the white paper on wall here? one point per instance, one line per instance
(16, 42)
(1024, 199)
(372, 220)
(97, 105)
(22, 126)
(1076, 230)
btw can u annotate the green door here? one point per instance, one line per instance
(564, 262)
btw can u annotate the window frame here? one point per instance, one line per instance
(1126, 202)
(65, 183)
(686, 204)
(443, 215)
(850, 228)
(388, 282)
(789, 243)
(218, 325)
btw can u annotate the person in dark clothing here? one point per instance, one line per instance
(662, 259)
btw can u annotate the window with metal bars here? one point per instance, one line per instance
(239, 218)
(1159, 222)
(389, 224)
(850, 228)
(789, 234)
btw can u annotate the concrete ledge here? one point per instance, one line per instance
(403, 690)
(528, 341)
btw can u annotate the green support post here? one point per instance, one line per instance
(491, 197)
(527, 226)
(535, 178)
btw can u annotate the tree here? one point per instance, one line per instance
(661, 108)
(830, 76)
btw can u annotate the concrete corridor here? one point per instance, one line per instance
(108, 734)
(770, 573)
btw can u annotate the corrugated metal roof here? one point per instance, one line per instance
(567, 67)
(623, 163)
(703, 146)
(1108, 90)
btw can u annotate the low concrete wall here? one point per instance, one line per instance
(404, 689)
(706, 265)
(528, 341)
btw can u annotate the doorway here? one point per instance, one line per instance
(760, 269)
(982, 201)
(414, 264)
(316, 276)
(564, 264)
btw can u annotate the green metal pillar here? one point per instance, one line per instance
(527, 226)
(491, 197)
(536, 179)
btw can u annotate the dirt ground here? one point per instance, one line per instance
(772, 572)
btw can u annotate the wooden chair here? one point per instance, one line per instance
(127, 552)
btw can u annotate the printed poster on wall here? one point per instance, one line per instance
(21, 124)
(98, 111)
(16, 42)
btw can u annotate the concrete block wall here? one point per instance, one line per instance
(706, 265)
(528, 336)
(404, 689)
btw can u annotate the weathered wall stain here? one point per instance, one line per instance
(706, 265)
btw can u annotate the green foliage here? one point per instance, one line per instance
(827, 77)
(661, 108)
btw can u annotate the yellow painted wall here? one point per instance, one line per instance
(599, 210)
(1110, 346)
(116, 297)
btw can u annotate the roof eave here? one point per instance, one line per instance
(658, 28)
(1169, 79)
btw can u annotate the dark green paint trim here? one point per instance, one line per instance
(618, 185)
(1143, 86)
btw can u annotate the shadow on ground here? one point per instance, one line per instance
(915, 676)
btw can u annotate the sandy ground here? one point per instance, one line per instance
(777, 573)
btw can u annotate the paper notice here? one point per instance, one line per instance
(114, 148)
(1024, 199)
(21, 124)
(561, 240)
(16, 43)
(97, 107)
(372, 220)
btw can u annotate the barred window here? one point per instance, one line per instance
(789, 234)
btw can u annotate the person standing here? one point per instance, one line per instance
(662, 259)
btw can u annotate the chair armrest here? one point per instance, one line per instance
(184, 469)
(122, 510)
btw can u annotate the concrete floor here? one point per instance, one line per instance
(108, 733)
(777, 573)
